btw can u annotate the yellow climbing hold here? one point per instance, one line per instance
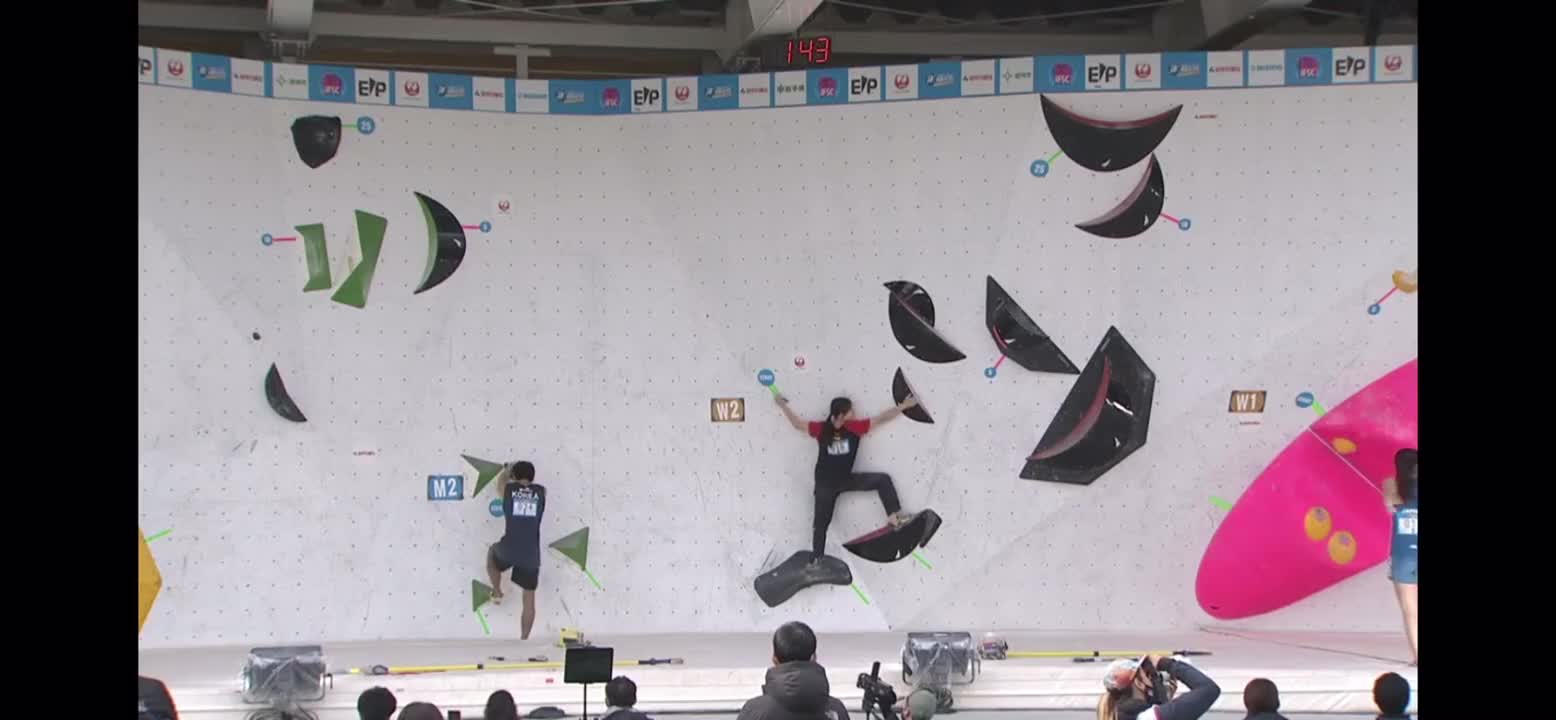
(150, 580)
(1317, 524)
(1342, 547)
(1344, 446)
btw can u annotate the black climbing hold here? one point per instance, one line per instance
(256, 336)
(901, 391)
(280, 401)
(1018, 337)
(797, 573)
(890, 544)
(316, 138)
(1103, 420)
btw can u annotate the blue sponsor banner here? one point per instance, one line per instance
(718, 92)
(1184, 70)
(615, 96)
(211, 72)
(826, 87)
(1061, 73)
(330, 83)
(575, 97)
(450, 92)
(1309, 67)
(510, 95)
(940, 80)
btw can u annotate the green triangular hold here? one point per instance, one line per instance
(487, 471)
(370, 235)
(318, 255)
(481, 593)
(575, 546)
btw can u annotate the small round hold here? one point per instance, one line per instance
(266, 239)
(1374, 309)
(365, 125)
(766, 377)
(1304, 399)
(1184, 224)
(495, 508)
(1039, 168)
(486, 226)
(256, 336)
(989, 372)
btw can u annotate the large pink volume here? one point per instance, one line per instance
(1315, 516)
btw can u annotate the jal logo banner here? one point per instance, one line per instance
(718, 92)
(174, 68)
(1224, 69)
(648, 95)
(328, 83)
(1143, 72)
(1394, 63)
(826, 87)
(148, 65)
(1308, 67)
(248, 77)
(212, 72)
(1017, 75)
(1184, 70)
(681, 94)
(451, 92)
(901, 82)
(1061, 73)
(289, 81)
(756, 90)
(532, 96)
(373, 86)
(864, 84)
(1352, 65)
(491, 94)
(411, 89)
(789, 88)
(1266, 68)
(940, 80)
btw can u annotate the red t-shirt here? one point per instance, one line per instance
(857, 427)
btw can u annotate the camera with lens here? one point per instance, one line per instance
(1163, 685)
(879, 697)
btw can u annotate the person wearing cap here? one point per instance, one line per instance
(1132, 693)
(920, 705)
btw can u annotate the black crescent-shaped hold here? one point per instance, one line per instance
(901, 391)
(890, 544)
(912, 315)
(445, 243)
(797, 573)
(317, 138)
(1138, 212)
(1102, 145)
(1103, 420)
(281, 401)
(1018, 337)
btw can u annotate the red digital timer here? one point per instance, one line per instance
(815, 51)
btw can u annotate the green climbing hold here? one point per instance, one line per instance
(370, 235)
(486, 471)
(575, 546)
(481, 593)
(317, 252)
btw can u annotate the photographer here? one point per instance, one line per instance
(796, 687)
(1143, 688)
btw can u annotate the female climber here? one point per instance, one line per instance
(837, 441)
(1399, 493)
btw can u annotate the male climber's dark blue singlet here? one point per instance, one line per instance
(522, 509)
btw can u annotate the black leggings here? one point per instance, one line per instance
(827, 492)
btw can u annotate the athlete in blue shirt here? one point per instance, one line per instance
(523, 507)
(1399, 492)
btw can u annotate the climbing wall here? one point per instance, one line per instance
(575, 291)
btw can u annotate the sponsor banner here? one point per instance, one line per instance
(939, 80)
(615, 97)
(174, 68)
(756, 90)
(1352, 65)
(1184, 70)
(648, 95)
(211, 72)
(790, 88)
(289, 81)
(1103, 72)
(1224, 69)
(1061, 73)
(373, 86)
(1266, 67)
(531, 96)
(901, 82)
(1393, 63)
(148, 65)
(451, 92)
(681, 94)
(864, 84)
(977, 77)
(1143, 72)
(248, 77)
(826, 87)
(411, 89)
(489, 94)
(1016, 75)
(1308, 67)
(329, 83)
(718, 92)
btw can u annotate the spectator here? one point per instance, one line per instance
(621, 694)
(156, 703)
(376, 703)
(1132, 693)
(500, 706)
(421, 711)
(1262, 700)
(796, 687)
(1391, 693)
(920, 705)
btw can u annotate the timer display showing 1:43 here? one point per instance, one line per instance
(814, 51)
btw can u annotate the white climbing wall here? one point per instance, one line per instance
(651, 263)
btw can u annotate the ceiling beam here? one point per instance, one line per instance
(950, 44)
(746, 21)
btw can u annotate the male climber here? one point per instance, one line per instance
(837, 441)
(523, 506)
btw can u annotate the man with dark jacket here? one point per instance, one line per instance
(621, 695)
(796, 687)
(1262, 699)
